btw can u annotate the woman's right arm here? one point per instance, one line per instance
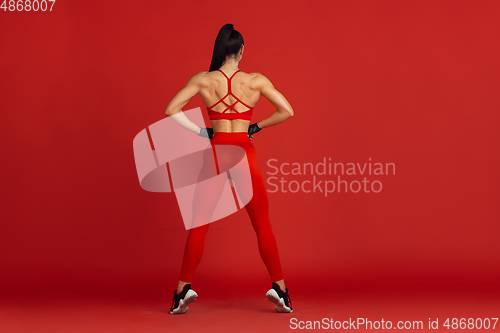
(283, 108)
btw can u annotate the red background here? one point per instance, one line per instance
(413, 83)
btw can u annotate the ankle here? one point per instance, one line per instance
(281, 284)
(181, 286)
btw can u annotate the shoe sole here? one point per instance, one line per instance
(183, 303)
(279, 302)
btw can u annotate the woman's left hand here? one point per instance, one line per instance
(206, 132)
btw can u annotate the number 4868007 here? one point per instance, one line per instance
(27, 5)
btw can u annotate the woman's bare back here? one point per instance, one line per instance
(243, 85)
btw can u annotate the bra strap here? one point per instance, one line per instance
(224, 74)
(229, 83)
(229, 78)
(234, 74)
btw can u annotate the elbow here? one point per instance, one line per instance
(288, 113)
(168, 112)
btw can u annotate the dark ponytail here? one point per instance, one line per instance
(227, 43)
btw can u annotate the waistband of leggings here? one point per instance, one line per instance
(231, 135)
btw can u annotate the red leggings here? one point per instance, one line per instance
(257, 209)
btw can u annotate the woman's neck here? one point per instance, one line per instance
(230, 65)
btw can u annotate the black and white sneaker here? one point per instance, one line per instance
(282, 301)
(180, 302)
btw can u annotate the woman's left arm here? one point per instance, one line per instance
(174, 108)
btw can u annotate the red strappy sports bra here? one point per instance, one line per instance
(214, 115)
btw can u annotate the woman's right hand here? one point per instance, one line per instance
(252, 129)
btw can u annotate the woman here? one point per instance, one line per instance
(230, 96)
